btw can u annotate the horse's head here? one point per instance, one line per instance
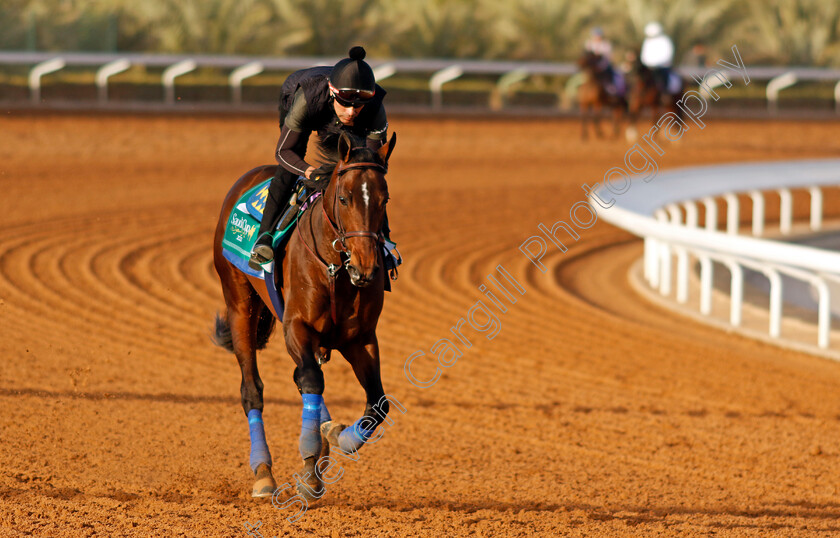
(355, 201)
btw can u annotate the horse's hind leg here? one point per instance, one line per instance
(597, 121)
(618, 118)
(243, 314)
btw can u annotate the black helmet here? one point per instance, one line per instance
(351, 80)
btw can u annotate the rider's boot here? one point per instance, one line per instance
(279, 191)
(391, 255)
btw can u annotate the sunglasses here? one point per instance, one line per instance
(354, 98)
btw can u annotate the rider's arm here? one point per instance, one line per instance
(292, 135)
(378, 133)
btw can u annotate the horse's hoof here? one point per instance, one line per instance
(264, 484)
(309, 486)
(331, 430)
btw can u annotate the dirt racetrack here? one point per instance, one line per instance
(591, 413)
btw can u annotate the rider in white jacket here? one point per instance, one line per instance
(657, 53)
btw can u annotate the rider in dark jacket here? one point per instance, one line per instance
(320, 101)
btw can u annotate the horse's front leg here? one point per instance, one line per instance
(303, 345)
(618, 118)
(363, 355)
(631, 133)
(597, 112)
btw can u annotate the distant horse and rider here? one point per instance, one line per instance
(325, 272)
(650, 83)
(656, 85)
(596, 92)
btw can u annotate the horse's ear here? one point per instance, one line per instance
(386, 149)
(344, 147)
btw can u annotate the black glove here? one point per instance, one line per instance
(320, 177)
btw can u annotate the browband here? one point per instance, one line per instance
(372, 166)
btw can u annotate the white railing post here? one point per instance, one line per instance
(170, 74)
(706, 269)
(736, 292)
(43, 68)
(509, 79)
(775, 86)
(381, 72)
(238, 75)
(757, 213)
(816, 208)
(785, 211)
(691, 217)
(665, 269)
(824, 313)
(682, 274)
(711, 213)
(650, 261)
(674, 213)
(775, 301)
(837, 97)
(732, 213)
(107, 71)
(654, 252)
(440, 78)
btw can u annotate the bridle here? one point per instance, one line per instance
(341, 234)
(338, 226)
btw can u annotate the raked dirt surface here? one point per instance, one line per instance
(590, 413)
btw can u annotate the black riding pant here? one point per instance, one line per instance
(660, 76)
(279, 192)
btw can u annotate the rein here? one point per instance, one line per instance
(341, 234)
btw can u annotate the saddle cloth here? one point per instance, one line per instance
(242, 227)
(674, 85)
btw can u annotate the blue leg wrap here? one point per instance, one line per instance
(310, 425)
(259, 448)
(352, 438)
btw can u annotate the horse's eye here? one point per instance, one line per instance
(343, 200)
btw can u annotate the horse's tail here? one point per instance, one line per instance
(223, 338)
(221, 334)
(264, 328)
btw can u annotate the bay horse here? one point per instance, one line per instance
(593, 97)
(644, 93)
(333, 290)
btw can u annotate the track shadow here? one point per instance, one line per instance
(161, 397)
(633, 515)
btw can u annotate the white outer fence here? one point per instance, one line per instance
(654, 211)
(439, 71)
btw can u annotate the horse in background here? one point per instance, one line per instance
(644, 92)
(597, 92)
